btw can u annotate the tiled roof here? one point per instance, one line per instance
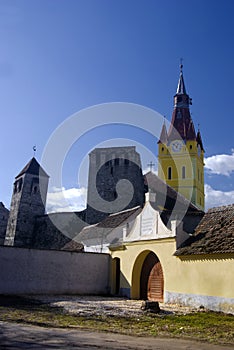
(181, 123)
(73, 246)
(163, 135)
(34, 168)
(3, 208)
(213, 235)
(199, 140)
(112, 221)
(166, 196)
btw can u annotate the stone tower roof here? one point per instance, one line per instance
(34, 168)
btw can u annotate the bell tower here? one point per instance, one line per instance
(181, 152)
(28, 201)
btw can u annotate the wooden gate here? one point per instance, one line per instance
(155, 283)
(152, 281)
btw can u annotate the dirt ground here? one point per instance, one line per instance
(21, 336)
(96, 305)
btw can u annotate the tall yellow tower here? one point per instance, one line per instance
(181, 152)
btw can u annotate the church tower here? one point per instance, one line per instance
(107, 167)
(181, 152)
(28, 201)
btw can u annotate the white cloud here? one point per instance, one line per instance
(61, 199)
(216, 198)
(146, 170)
(220, 164)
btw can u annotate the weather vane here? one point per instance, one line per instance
(34, 150)
(181, 64)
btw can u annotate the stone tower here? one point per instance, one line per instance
(181, 152)
(115, 182)
(28, 201)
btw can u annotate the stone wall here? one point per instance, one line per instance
(27, 203)
(55, 230)
(33, 271)
(4, 214)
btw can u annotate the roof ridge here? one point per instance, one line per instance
(221, 208)
(125, 211)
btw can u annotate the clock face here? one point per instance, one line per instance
(176, 145)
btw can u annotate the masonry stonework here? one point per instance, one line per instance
(28, 202)
(115, 182)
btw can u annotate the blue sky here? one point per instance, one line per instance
(61, 56)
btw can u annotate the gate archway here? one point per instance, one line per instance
(147, 278)
(152, 281)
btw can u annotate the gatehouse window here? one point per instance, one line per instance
(169, 173)
(183, 172)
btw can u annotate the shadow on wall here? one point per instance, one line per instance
(119, 284)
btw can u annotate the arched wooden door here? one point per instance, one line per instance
(155, 287)
(152, 281)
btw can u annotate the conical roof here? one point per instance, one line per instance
(199, 140)
(34, 168)
(163, 137)
(181, 86)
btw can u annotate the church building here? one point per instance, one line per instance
(161, 244)
(181, 152)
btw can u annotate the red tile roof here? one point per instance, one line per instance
(213, 235)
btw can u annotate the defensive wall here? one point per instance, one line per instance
(34, 271)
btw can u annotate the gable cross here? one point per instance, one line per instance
(151, 165)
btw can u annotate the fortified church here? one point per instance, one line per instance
(162, 245)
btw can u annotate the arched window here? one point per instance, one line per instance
(183, 172)
(169, 173)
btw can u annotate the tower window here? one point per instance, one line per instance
(18, 185)
(169, 173)
(183, 172)
(191, 147)
(111, 170)
(126, 161)
(35, 185)
(116, 161)
(162, 149)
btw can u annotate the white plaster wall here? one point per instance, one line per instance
(31, 271)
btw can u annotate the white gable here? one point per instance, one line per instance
(148, 225)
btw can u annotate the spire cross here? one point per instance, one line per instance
(34, 150)
(151, 165)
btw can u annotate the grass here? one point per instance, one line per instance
(211, 327)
